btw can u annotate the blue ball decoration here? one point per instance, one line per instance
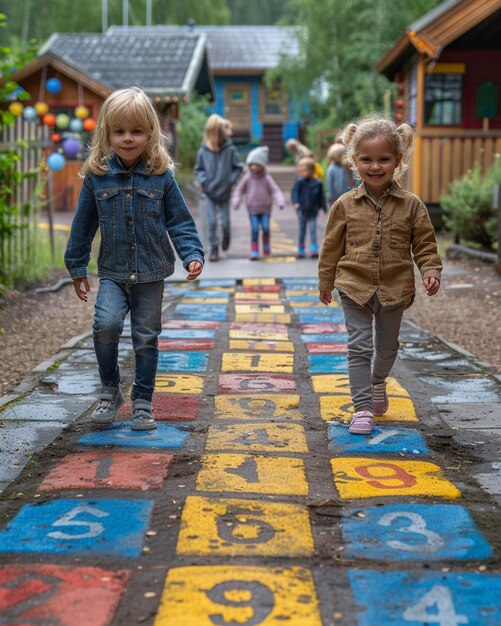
(76, 125)
(53, 85)
(30, 114)
(71, 147)
(56, 161)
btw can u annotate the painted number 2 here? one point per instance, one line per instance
(68, 520)
(416, 525)
(440, 597)
(239, 593)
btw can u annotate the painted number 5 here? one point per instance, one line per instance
(440, 597)
(68, 519)
(417, 525)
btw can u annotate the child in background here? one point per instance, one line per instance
(318, 172)
(260, 191)
(372, 236)
(339, 177)
(129, 192)
(307, 198)
(217, 169)
(297, 149)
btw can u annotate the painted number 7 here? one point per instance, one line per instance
(68, 520)
(445, 615)
(242, 594)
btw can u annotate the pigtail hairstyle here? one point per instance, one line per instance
(135, 105)
(400, 138)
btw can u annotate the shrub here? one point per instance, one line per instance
(468, 207)
(193, 116)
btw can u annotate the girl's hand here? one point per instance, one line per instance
(326, 297)
(297, 205)
(82, 288)
(431, 284)
(194, 268)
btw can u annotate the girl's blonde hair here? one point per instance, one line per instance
(134, 104)
(400, 139)
(336, 153)
(214, 132)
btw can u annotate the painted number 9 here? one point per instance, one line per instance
(395, 474)
(251, 594)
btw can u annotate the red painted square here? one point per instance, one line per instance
(327, 348)
(256, 383)
(185, 345)
(108, 470)
(167, 407)
(321, 329)
(58, 594)
(262, 289)
(194, 324)
(254, 327)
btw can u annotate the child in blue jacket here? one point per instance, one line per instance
(307, 198)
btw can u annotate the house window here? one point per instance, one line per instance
(273, 104)
(443, 99)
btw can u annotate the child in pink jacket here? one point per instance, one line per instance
(260, 191)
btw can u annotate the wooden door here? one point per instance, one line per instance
(237, 107)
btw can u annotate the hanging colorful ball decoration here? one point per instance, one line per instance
(49, 119)
(29, 114)
(89, 124)
(53, 85)
(41, 108)
(62, 121)
(76, 125)
(81, 112)
(16, 108)
(56, 161)
(55, 137)
(71, 147)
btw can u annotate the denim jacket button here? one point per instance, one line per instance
(105, 195)
(132, 277)
(127, 196)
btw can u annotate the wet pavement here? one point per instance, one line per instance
(251, 504)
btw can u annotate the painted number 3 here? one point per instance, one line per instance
(440, 597)
(417, 525)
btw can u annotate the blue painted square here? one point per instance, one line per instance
(217, 282)
(215, 312)
(314, 316)
(120, 434)
(413, 532)
(222, 295)
(182, 361)
(77, 526)
(325, 338)
(418, 599)
(386, 440)
(187, 333)
(300, 283)
(311, 298)
(328, 363)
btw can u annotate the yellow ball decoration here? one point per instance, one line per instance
(16, 108)
(81, 112)
(41, 108)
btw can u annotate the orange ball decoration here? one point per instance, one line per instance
(42, 108)
(56, 137)
(49, 119)
(89, 124)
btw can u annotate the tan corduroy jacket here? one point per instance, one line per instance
(370, 248)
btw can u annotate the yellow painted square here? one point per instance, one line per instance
(259, 308)
(204, 301)
(220, 289)
(339, 383)
(279, 259)
(360, 477)
(260, 406)
(238, 595)
(272, 318)
(257, 362)
(231, 527)
(258, 438)
(178, 383)
(272, 346)
(301, 292)
(258, 334)
(256, 296)
(299, 304)
(340, 408)
(247, 282)
(251, 473)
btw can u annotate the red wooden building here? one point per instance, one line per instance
(447, 68)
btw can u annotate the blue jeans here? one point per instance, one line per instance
(113, 302)
(310, 220)
(224, 215)
(257, 220)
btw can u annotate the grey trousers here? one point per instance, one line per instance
(362, 343)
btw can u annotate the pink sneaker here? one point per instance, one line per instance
(361, 423)
(380, 400)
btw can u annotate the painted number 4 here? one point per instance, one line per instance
(445, 615)
(93, 529)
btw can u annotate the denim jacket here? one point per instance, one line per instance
(134, 211)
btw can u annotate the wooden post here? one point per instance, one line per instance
(418, 150)
(496, 200)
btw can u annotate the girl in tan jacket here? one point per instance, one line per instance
(373, 236)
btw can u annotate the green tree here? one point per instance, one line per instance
(257, 11)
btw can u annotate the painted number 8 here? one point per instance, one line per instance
(240, 593)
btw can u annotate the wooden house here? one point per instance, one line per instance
(90, 66)
(447, 70)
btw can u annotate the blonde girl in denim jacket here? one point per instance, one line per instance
(129, 192)
(373, 236)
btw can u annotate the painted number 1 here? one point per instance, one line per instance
(440, 597)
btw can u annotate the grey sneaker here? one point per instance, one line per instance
(109, 402)
(142, 415)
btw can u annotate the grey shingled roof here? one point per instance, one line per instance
(235, 47)
(160, 63)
